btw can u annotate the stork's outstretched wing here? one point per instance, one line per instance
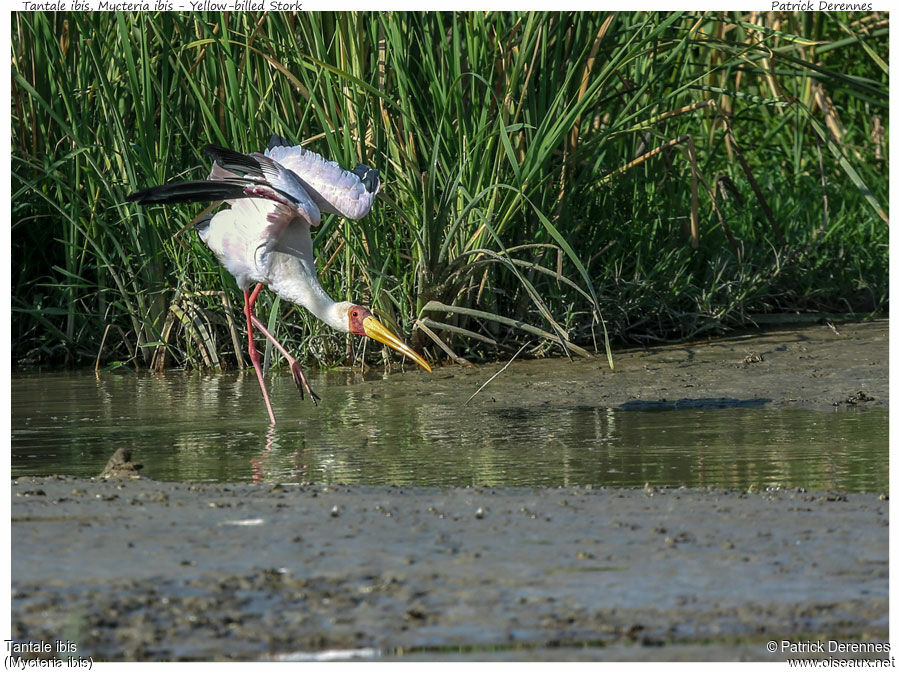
(263, 178)
(332, 188)
(235, 176)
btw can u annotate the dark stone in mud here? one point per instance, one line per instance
(120, 466)
(151, 571)
(859, 397)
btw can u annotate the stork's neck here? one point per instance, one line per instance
(293, 279)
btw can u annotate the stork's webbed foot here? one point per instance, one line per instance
(302, 383)
(296, 369)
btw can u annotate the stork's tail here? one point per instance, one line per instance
(189, 192)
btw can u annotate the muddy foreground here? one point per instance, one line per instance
(135, 569)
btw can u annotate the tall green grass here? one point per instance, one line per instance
(518, 200)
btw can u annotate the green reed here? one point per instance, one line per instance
(519, 199)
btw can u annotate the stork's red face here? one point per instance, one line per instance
(362, 322)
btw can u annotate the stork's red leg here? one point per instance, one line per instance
(249, 301)
(296, 369)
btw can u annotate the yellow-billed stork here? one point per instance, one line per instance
(264, 236)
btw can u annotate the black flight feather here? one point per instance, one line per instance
(278, 141)
(188, 192)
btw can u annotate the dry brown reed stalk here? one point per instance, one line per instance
(503, 369)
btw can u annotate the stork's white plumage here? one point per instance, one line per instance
(264, 236)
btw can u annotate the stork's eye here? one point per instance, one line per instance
(354, 313)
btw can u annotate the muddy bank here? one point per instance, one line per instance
(158, 571)
(813, 366)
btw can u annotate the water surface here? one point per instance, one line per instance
(195, 427)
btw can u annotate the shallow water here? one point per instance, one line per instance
(194, 427)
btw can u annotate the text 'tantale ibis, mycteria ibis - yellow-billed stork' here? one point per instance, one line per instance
(264, 236)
